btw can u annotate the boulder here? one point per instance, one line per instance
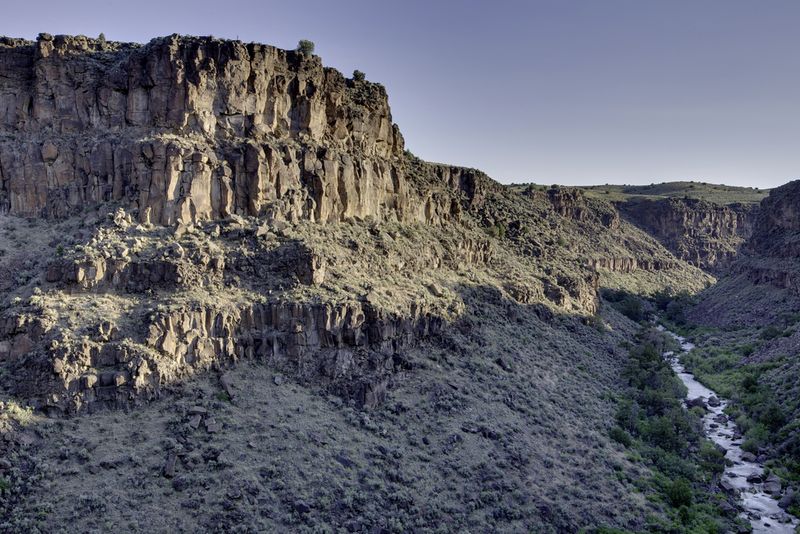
(772, 484)
(788, 499)
(728, 487)
(755, 477)
(696, 403)
(748, 457)
(169, 466)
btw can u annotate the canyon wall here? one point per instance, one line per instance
(352, 349)
(192, 190)
(762, 285)
(771, 254)
(187, 129)
(705, 234)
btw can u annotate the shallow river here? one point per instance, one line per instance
(761, 509)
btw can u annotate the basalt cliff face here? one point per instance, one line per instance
(185, 130)
(772, 252)
(223, 224)
(778, 222)
(766, 269)
(705, 234)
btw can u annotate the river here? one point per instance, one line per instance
(744, 475)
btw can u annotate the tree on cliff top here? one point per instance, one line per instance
(306, 47)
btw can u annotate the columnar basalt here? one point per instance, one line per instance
(225, 200)
(770, 255)
(702, 233)
(630, 264)
(350, 348)
(189, 129)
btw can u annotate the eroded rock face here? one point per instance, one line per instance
(204, 173)
(349, 348)
(572, 203)
(187, 129)
(702, 233)
(778, 223)
(630, 264)
(770, 255)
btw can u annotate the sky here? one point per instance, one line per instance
(547, 91)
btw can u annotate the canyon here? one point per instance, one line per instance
(232, 300)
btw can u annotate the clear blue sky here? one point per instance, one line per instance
(557, 91)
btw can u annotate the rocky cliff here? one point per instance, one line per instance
(703, 233)
(184, 129)
(232, 236)
(771, 254)
(766, 268)
(227, 200)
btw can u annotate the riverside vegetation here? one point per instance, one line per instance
(232, 301)
(656, 429)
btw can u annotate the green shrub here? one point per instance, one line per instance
(497, 230)
(620, 436)
(359, 76)
(771, 332)
(712, 460)
(305, 47)
(631, 307)
(773, 417)
(755, 438)
(676, 312)
(666, 432)
(750, 383)
(679, 493)
(628, 415)
(747, 349)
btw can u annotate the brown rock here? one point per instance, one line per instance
(89, 381)
(49, 152)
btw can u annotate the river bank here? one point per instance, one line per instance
(743, 474)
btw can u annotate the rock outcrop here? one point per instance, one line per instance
(777, 226)
(350, 349)
(702, 233)
(630, 264)
(770, 255)
(223, 200)
(187, 129)
(762, 285)
(573, 204)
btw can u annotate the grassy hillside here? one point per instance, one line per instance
(720, 194)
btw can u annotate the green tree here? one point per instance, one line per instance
(305, 47)
(679, 493)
